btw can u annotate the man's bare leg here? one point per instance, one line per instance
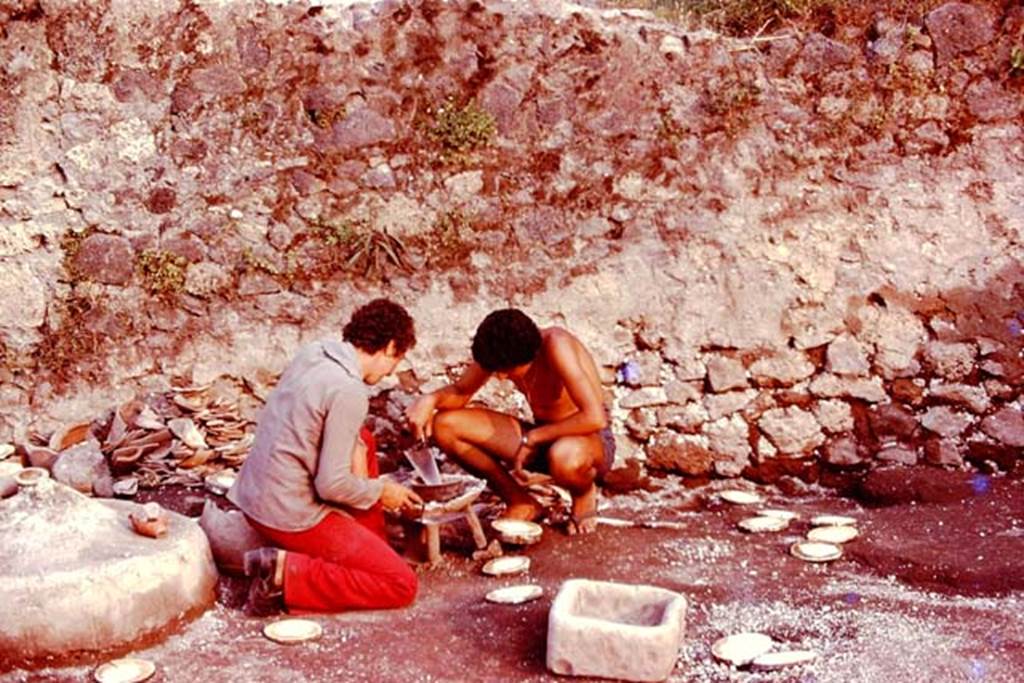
(478, 439)
(574, 465)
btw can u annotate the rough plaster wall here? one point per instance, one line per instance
(719, 215)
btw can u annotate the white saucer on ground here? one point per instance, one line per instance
(741, 648)
(509, 564)
(289, 631)
(778, 514)
(835, 535)
(127, 670)
(515, 595)
(737, 497)
(762, 524)
(780, 660)
(833, 520)
(518, 531)
(811, 551)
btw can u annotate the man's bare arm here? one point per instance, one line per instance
(569, 361)
(455, 395)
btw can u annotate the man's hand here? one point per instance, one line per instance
(395, 497)
(421, 414)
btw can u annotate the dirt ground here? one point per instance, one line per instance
(865, 623)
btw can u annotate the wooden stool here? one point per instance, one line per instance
(431, 528)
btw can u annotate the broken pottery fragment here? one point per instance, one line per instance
(186, 430)
(63, 439)
(741, 648)
(126, 488)
(150, 520)
(220, 482)
(148, 419)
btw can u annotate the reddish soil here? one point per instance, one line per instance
(865, 626)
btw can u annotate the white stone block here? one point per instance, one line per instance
(613, 630)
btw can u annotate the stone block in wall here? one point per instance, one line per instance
(993, 368)
(682, 392)
(968, 395)
(641, 423)
(957, 28)
(726, 373)
(847, 356)
(649, 365)
(812, 326)
(984, 454)
(908, 391)
(109, 259)
(722, 405)
(950, 360)
(945, 421)
(687, 418)
(987, 346)
(792, 430)
(892, 421)
(999, 390)
(899, 454)
(943, 453)
(897, 335)
(843, 452)
(729, 441)
(781, 369)
(1005, 426)
(643, 397)
(834, 416)
(868, 389)
(682, 453)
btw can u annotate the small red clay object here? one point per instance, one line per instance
(150, 521)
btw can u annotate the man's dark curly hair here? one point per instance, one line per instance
(507, 338)
(372, 326)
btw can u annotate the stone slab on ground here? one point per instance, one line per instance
(614, 630)
(75, 578)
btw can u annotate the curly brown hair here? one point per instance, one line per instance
(372, 326)
(507, 338)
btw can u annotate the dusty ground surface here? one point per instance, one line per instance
(866, 626)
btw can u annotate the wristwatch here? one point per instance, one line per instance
(525, 440)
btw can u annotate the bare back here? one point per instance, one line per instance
(545, 384)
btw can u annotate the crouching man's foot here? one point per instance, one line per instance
(265, 566)
(584, 513)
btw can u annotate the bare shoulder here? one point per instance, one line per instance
(560, 341)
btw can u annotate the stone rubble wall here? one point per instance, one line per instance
(799, 254)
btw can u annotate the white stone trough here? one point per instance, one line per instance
(614, 630)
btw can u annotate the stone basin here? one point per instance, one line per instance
(614, 630)
(75, 578)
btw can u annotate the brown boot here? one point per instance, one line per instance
(265, 597)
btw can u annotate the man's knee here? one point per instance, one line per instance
(404, 588)
(446, 427)
(570, 462)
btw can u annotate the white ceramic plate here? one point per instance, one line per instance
(779, 660)
(9, 468)
(292, 630)
(510, 564)
(835, 535)
(515, 595)
(220, 482)
(128, 670)
(518, 531)
(833, 520)
(6, 450)
(762, 524)
(741, 648)
(614, 522)
(739, 497)
(778, 514)
(811, 551)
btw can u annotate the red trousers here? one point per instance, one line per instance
(344, 563)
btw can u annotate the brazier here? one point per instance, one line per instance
(613, 630)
